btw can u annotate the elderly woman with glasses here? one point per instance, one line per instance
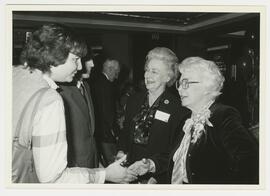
(214, 147)
(153, 117)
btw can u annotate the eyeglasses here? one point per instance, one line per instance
(184, 83)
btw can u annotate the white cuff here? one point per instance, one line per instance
(152, 167)
(101, 177)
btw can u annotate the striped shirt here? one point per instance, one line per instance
(49, 137)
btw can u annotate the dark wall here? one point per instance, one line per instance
(142, 44)
(117, 45)
(190, 46)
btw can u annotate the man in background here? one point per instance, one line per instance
(104, 94)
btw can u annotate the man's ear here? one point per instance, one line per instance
(51, 67)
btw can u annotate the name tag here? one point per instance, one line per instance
(162, 116)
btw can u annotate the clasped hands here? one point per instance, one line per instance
(140, 167)
(115, 172)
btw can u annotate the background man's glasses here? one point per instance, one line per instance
(184, 83)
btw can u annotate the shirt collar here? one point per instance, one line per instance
(50, 82)
(106, 75)
(79, 83)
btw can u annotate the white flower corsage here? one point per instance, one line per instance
(199, 122)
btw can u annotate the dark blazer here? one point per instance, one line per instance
(226, 154)
(80, 125)
(104, 99)
(162, 134)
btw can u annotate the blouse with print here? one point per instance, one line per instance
(144, 120)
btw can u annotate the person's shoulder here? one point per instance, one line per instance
(16, 68)
(222, 108)
(66, 86)
(100, 79)
(171, 105)
(171, 100)
(137, 96)
(51, 96)
(222, 111)
(100, 76)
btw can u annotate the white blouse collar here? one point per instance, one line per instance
(50, 82)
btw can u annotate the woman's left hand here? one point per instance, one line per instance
(140, 167)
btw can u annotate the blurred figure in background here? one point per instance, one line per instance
(104, 98)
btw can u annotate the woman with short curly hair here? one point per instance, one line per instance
(215, 148)
(153, 117)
